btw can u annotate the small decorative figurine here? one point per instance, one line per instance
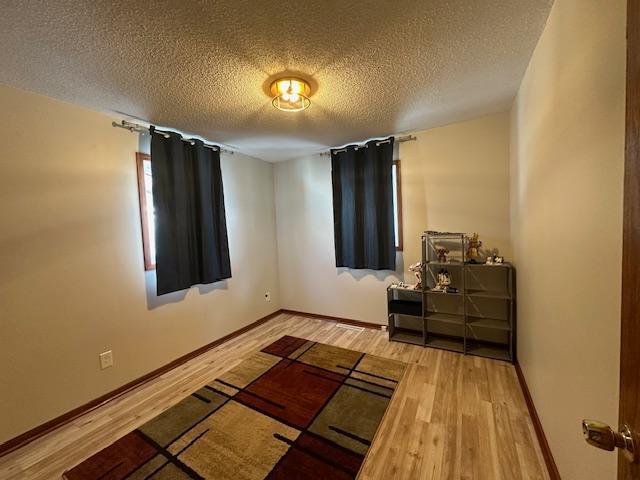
(494, 260)
(442, 254)
(474, 245)
(416, 268)
(443, 281)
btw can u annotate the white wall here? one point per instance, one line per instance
(567, 172)
(72, 282)
(454, 178)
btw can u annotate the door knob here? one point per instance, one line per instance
(603, 436)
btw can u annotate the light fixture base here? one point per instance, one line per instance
(290, 94)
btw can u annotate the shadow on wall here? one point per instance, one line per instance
(380, 275)
(155, 301)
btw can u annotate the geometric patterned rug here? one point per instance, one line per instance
(295, 410)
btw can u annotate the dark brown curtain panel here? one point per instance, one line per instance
(191, 229)
(363, 206)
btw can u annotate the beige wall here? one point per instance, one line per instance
(567, 169)
(309, 279)
(72, 282)
(454, 178)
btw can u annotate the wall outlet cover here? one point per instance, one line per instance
(106, 359)
(267, 296)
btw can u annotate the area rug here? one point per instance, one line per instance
(295, 410)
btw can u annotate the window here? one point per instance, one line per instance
(147, 217)
(397, 203)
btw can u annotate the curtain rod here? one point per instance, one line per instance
(406, 138)
(134, 127)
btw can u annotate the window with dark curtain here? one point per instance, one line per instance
(188, 199)
(363, 210)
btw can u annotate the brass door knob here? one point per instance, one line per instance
(602, 436)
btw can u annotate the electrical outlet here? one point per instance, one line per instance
(106, 359)
(267, 296)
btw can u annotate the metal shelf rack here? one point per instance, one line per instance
(478, 319)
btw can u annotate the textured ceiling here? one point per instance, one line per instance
(377, 67)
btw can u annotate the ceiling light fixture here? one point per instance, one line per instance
(290, 94)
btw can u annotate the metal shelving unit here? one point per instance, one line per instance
(478, 319)
(490, 299)
(445, 311)
(406, 315)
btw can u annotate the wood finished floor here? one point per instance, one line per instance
(452, 417)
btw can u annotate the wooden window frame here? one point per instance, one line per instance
(144, 219)
(400, 246)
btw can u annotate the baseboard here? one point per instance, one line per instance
(39, 431)
(554, 474)
(357, 323)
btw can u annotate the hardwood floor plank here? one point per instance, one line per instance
(452, 417)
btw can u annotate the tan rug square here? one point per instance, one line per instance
(250, 369)
(336, 359)
(378, 370)
(235, 443)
